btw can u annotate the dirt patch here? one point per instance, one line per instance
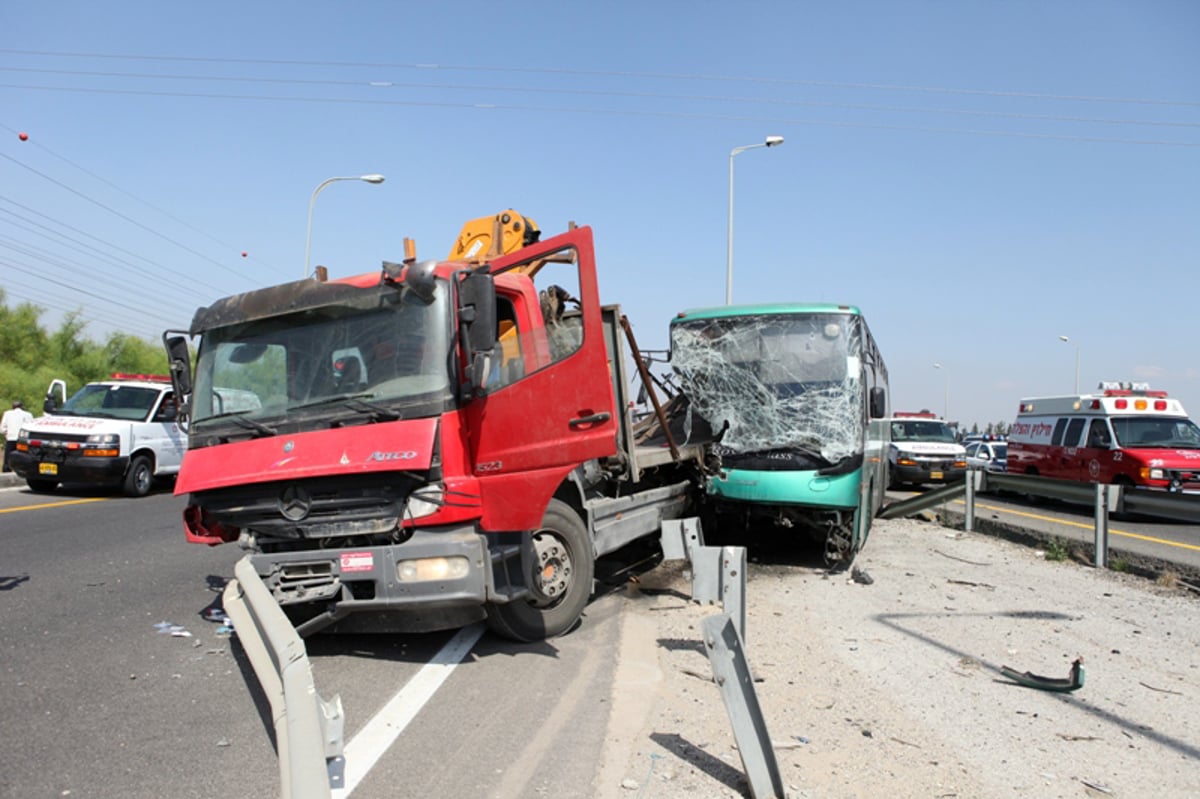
(894, 688)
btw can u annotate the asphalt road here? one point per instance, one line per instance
(98, 701)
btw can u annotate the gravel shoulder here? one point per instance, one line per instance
(894, 688)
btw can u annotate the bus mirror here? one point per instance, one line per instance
(878, 403)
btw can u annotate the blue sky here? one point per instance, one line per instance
(978, 177)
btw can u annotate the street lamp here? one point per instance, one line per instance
(1068, 341)
(771, 141)
(945, 369)
(308, 237)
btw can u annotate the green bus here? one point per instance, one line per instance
(795, 396)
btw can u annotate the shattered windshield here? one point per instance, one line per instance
(779, 381)
(382, 358)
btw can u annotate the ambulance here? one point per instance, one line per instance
(923, 449)
(1125, 434)
(119, 432)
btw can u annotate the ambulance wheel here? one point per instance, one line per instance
(139, 478)
(42, 486)
(558, 568)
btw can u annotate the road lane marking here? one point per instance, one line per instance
(374, 739)
(64, 503)
(1092, 526)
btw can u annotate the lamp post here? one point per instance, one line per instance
(308, 237)
(946, 412)
(1067, 340)
(771, 141)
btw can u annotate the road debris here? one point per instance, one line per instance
(1031, 680)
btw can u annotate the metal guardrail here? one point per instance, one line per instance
(308, 729)
(1105, 499)
(719, 575)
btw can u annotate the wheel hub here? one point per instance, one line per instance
(552, 567)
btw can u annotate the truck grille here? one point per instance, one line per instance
(316, 508)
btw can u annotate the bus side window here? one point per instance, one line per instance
(1059, 428)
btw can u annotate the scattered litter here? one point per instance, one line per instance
(224, 631)
(906, 743)
(223, 742)
(860, 576)
(1067, 737)
(215, 614)
(1160, 690)
(962, 560)
(176, 630)
(972, 585)
(1095, 786)
(1031, 680)
(629, 785)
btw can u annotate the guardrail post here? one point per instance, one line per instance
(1101, 526)
(969, 516)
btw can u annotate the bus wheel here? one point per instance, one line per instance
(558, 571)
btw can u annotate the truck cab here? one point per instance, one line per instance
(120, 432)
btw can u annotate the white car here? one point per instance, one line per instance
(991, 456)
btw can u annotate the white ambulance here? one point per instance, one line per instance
(923, 450)
(120, 432)
(1124, 434)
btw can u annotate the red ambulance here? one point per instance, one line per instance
(1124, 434)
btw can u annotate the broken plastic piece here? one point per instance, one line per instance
(1030, 680)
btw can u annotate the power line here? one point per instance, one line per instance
(618, 112)
(621, 74)
(376, 84)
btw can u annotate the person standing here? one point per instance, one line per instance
(10, 425)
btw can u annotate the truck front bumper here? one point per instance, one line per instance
(436, 578)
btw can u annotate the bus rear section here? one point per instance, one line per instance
(1123, 434)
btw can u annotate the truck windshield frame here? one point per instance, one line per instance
(781, 381)
(379, 355)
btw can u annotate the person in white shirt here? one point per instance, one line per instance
(10, 425)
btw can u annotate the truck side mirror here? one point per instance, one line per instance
(878, 403)
(179, 363)
(477, 310)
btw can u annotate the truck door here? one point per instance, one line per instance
(548, 406)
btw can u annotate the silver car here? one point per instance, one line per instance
(991, 456)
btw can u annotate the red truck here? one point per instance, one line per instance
(427, 445)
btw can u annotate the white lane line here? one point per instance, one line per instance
(373, 740)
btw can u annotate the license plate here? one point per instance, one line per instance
(47, 468)
(935, 475)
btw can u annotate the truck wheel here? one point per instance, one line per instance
(139, 478)
(42, 486)
(559, 575)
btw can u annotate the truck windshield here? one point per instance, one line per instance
(1150, 431)
(780, 381)
(924, 430)
(384, 358)
(99, 400)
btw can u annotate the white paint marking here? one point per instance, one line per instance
(373, 740)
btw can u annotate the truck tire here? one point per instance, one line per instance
(42, 486)
(559, 575)
(139, 477)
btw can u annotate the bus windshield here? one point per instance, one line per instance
(385, 358)
(777, 380)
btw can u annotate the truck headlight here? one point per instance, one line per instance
(425, 569)
(106, 445)
(1158, 474)
(424, 501)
